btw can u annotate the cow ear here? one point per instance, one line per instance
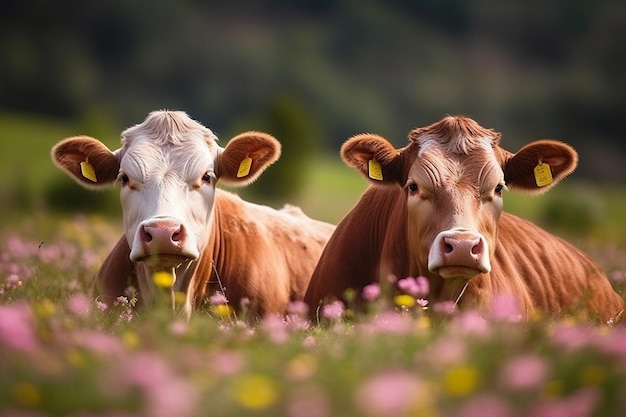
(246, 156)
(87, 161)
(539, 165)
(374, 157)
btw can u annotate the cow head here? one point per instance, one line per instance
(167, 168)
(453, 174)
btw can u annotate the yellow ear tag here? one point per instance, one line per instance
(244, 167)
(374, 170)
(543, 174)
(88, 172)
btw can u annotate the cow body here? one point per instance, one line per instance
(177, 221)
(435, 210)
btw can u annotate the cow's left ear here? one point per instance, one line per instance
(246, 156)
(375, 158)
(539, 165)
(87, 160)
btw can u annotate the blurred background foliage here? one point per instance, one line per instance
(313, 73)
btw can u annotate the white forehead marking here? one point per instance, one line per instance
(455, 136)
(168, 140)
(455, 146)
(169, 128)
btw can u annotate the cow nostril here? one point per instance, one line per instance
(177, 236)
(477, 249)
(449, 248)
(147, 237)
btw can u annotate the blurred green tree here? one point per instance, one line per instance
(287, 119)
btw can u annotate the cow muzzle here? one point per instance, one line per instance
(163, 243)
(459, 253)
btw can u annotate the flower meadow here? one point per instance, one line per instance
(63, 353)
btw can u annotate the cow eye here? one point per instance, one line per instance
(207, 177)
(413, 187)
(123, 178)
(499, 189)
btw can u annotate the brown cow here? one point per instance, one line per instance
(176, 220)
(435, 210)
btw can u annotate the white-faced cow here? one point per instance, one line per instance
(175, 219)
(435, 210)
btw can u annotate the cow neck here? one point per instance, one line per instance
(212, 272)
(395, 255)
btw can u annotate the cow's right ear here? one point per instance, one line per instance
(375, 158)
(87, 161)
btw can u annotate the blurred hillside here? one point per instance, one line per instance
(528, 68)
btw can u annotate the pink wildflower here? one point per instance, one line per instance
(505, 307)
(524, 372)
(16, 328)
(13, 280)
(580, 404)
(471, 323)
(573, 337)
(309, 342)
(618, 276)
(217, 299)
(422, 302)
(417, 287)
(444, 307)
(226, 362)
(309, 401)
(297, 322)
(98, 342)
(179, 327)
(275, 327)
(371, 292)
(297, 308)
(485, 406)
(391, 393)
(334, 310)
(389, 322)
(79, 304)
(165, 393)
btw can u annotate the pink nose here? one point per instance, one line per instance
(162, 237)
(462, 250)
(459, 248)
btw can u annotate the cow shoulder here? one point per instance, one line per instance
(351, 258)
(548, 270)
(117, 273)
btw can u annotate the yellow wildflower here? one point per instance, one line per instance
(593, 375)
(222, 310)
(163, 279)
(461, 381)
(554, 388)
(27, 394)
(404, 300)
(180, 297)
(256, 392)
(130, 339)
(45, 308)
